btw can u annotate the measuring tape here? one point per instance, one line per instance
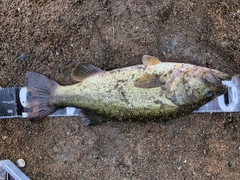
(13, 102)
(228, 102)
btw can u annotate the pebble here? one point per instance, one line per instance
(117, 160)
(24, 57)
(42, 58)
(20, 163)
(209, 175)
(233, 165)
(179, 168)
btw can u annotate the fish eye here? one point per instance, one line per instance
(210, 94)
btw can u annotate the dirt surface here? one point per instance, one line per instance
(51, 37)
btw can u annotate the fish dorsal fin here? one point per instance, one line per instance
(150, 60)
(84, 70)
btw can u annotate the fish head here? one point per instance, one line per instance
(195, 86)
(212, 80)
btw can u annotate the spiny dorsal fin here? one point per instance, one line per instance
(82, 71)
(150, 60)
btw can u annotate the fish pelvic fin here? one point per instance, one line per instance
(40, 96)
(84, 70)
(150, 60)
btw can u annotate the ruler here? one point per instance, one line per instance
(228, 102)
(13, 102)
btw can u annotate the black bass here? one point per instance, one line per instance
(151, 91)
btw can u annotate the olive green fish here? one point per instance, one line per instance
(152, 91)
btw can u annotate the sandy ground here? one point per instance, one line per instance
(51, 37)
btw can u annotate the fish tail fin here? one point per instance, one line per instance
(40, 96)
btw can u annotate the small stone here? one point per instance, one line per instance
(42, 58)
(76, 142)
(233, 165)
(117, 160)
(24, 57)
(179, 168)
(208, 175)
(20, 163)
(55, 149)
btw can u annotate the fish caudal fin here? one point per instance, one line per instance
(40, 95)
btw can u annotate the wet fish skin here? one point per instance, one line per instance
(154, 90)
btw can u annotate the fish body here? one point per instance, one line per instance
(153, 90)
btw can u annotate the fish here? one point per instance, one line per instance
(153, 90)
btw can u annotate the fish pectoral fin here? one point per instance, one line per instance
(150, 60)
(84, 70)
(149, 81)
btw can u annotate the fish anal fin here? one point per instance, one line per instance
(90, 118)
(150, 60)
(84, 70)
